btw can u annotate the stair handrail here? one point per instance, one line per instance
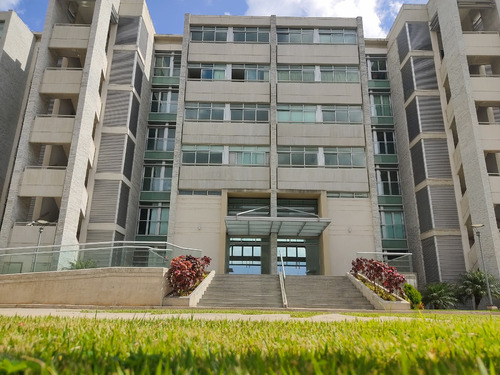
(282, 276)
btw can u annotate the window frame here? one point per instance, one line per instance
(296, 73)
(382, 147)
(248, 108)
(393, 229)
(147, 224)
(346, 157)
(205, 34)
(159, 103)
(157, 183)
(212, 153)
(296, 154)
(261, 34)
(300, 35)
(167, 143)
(211, 108)
(173, 67)
(337, 36)
(388, 182)
(238, 154)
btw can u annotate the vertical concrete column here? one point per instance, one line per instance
(273, 156)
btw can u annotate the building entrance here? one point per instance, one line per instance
(246, 255)
(300, 256)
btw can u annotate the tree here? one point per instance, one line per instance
(472, 285)
(439, 296)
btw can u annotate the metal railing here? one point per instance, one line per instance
(282, 276)
(90, 255)
(402, 261)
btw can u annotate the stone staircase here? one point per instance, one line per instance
(243, 291)
(324, 292)
(263, 291)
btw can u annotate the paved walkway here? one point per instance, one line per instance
(78, 313)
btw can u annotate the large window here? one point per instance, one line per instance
(250, 72)
(338, 36)
(207, 71)
(377, 68)
(164, 101)
(297, 156)
(208, 34)
(339, 73)
(381, 104)
(392, 223)
(153, 219)
(384, 143)
(161, 138)
(251, 34)
(295, 36)
(201, 154)
(296, 113)
(250, 112)
(342, 114)
(167, 65)
(248, 155)
(205, 111)
(350, 157)
(296, 73)
(157, 177)
(388, 182)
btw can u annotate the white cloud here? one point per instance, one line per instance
(8, 4)
(377, 15)
(227, 13)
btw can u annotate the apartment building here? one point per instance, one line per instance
(257, 139)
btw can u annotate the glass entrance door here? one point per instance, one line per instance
(300, 256)
(245, 256)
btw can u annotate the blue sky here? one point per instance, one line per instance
(168, 15)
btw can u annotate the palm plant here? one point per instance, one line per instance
(439, 295)
(472, 285)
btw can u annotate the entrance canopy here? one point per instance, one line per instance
(283, 226)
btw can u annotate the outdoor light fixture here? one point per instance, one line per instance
(478, 233)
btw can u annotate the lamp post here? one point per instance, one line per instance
(478, 233)
(41, 224)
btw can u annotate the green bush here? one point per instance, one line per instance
(439, 296)
(413, 295)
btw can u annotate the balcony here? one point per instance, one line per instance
(464, 206)
(490, 136)
(482, 43)
(61, 83)
(486, 89)
(495, 188)
(25, 234)
(52, 130)
(74, 38)
(42, 182)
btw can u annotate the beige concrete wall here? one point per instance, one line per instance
(225, 133)
(321, 135)
(486, 89)
(329, 179)
(198, 224)
(223, 177)
(22, 235)
(490, 137)
(42, 183)
(229, 21)
(227, 91)
(329, 54)
(351, 231)
(482, 44)
(52, 130)
(61, 82)
(319, 93)
(70, 36)
(229, 53)
(99, 287)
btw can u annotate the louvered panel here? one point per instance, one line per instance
(139, 72)
(424, 210)
(430, 260)
(143, 38)
(117, 108)
(496, 114)
(128, 30)
(431, 116)
(407, 76)
(417, 162)
(403, 46)
(420, 37)
(111, 153)
(437, 159)
(123, 205)
(451, 257)
(444, 207)
(105, 202)
(425, 73)
(122, 67)
(412, 120)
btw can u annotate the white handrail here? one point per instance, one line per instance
(282, 277)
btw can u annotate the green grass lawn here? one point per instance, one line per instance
(421, 345)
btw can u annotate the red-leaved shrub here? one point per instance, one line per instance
(186, 272)
(380, 273)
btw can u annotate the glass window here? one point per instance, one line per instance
(392, 224)
(167, 65)
(384, 143)
(208, 34)
(205, 111)
(157, 177)
(338, 36)
(250, 72)
(352, 157)
(381, 104)
(296, 73)
(297, 156)
(201, 154)
(247, 155)
(339, 73)
(153, 219)
(164, 101)
(295, 36)
(207, 72)
(251, 34)
(388, 182)
(161, 138)
(351, 114)
(377, 68)
(296, 113)
(250, 112)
